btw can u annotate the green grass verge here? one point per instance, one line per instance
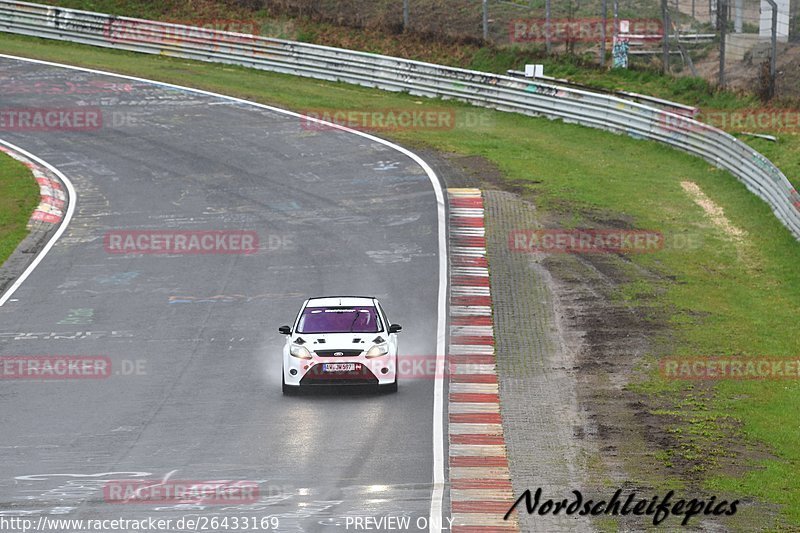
(720, 298)
(19, 196)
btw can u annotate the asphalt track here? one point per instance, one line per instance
(336, 213)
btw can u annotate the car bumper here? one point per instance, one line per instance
(309, 372)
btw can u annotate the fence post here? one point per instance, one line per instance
(665, 39)
(405, 15)
(485, 20)
(722, 23)
(773, 48)
(602, 58)
(547, 25)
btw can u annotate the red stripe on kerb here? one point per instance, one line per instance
(467, 222)
(468, 260)
(473, 241)
(478, 461)
(45, 217)
(472, 339)
(456, 359)
(476, 202)
(50, 200)
(474, 397)
(472, 300)
(473, 378)
(471, 320)
(466, 484)
(476, 439)
(475, 418)
(471, 281)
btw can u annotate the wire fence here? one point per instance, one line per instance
(729, 42)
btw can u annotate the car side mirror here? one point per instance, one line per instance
(285, 330)
(395, 328)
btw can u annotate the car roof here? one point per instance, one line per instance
(334, 301)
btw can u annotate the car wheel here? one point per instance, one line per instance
(390, 388)
(288, 390)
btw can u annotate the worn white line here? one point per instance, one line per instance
(466, 212)
(474, 388)
(470, 310)
(469, 407)
(481, 331)
(479, 472)
(482, 272)
(469, 450)
(470, 231)
(471, 349)
(475, 429)
(470, 291)
(468, 251)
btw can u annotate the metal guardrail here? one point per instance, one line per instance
(495, 91)
(666, 105)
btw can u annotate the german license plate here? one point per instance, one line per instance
(340, 367)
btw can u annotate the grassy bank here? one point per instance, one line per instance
(19, 196)
(724, 297)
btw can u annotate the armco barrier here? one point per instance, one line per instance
(495, 91)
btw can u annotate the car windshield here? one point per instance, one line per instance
(358, 319)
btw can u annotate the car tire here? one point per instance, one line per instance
(288, 390)
(390, 388)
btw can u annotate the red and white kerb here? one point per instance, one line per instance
(480, 481)
(53, 199)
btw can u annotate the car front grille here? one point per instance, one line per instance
(338, 353)
(361, 376)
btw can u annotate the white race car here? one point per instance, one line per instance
(340, 340)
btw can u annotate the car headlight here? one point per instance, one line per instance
(300, 352)
(378, 350)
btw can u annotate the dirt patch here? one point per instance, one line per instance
(713, 211)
